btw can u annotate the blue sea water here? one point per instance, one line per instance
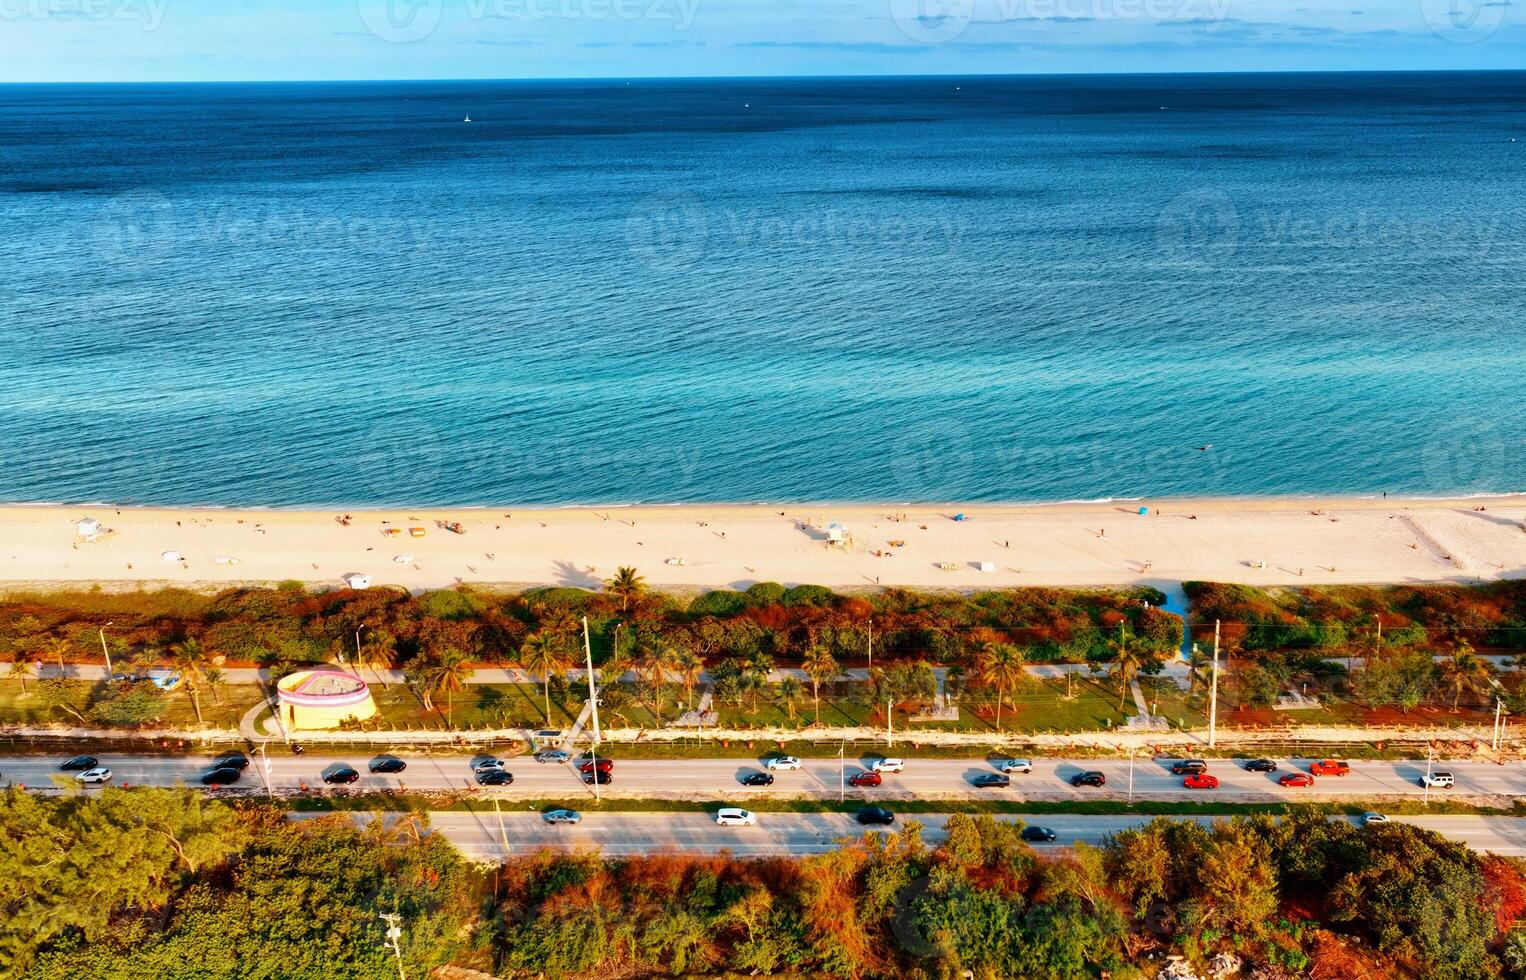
(892, 289)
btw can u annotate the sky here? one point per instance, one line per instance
(191, 40)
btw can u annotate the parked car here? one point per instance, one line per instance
(865, 778)
(483, 765)
(889, 765)
(1371, 817)
(1042, 835)
(875, 814)
(1015, 765)
(1089, 778)
(563, 816)
(232, 760)
(99, 774)
(552, 755)
(782, 762)
(1188, 767)
(1329, 767)
(993, 780)
(758, 779)
(226, 776)
(80, 762)
(1201, 780)
(1261, 765)
(344, 775)
(1438, 780)
(494, 777)
(387, 764)
(731, 816)
(603, 777)
(1297, 779)
(603, 765)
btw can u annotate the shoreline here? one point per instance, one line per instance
(1257, 541)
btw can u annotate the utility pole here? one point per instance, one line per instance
(394, 933)
(358, 658)
(105, 652)
(1430, 750)
(265, 768)
(502, 834)
(1213, 691)
(871, 646)
(889, 723)
(842, 766)
(1131, 776)
(593, 701)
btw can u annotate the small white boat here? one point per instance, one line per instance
(467, 119)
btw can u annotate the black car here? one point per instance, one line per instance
(875, 814)
(1261, 765)
(224, 776)
(494, 777)
(605, 778)
(1189, 767)
(1041, 835)
(388, 763)
(80, 762)
(344, 775)
(1089, 778)
(992, 779)
(233, 760)
(758, 779)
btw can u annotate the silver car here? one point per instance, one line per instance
(552, 755)
(563, 816)
(1015, 765)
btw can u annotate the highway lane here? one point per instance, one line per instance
(481, 836)
(820, 778)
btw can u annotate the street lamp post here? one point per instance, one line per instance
(105, 652)
(394, 933)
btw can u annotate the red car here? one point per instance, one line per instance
(1297, 779)
(603, 765)
(1329, 767)
(865, 779)
(1201, 780)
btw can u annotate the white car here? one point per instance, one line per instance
(486, 765)
(98, 775)
(552, 755)
(889, 765)
(1438, 780)
(1015, 765)
(735, 817)
(1372, 817)
(782, 762)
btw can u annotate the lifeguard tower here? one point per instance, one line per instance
(839, 538)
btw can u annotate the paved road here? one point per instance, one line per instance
(480, 835)
(718, 778)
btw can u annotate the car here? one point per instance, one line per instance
(993, 780)
(1201, 780)
(1329, 767)
(344, 775)
(1042, 835)
(1261, 765)
(758, 779)
(875, 814)
(604, 778)
(731, 816)
(494, 777)
(1089, 778)
(1371, 817)
(97, 775)
(1438, 780)
(80, 762)
(782, 762)
(483, 765)
(865, 779)
(552, 755)
(603, 765)
(889, 765)
(562, 816)
(231, 760)
(1015, 765)
(1297, 779)
(224, 776)
(388, 764)
(1188, 767)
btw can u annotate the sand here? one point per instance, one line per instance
(1256, 541)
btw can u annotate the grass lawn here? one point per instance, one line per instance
(220, 709)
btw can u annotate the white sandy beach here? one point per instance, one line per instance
(1300, 541)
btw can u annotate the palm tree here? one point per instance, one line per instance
(1001, 665)
(689, 666)
(190, 662)
(545, 655)
(448, 672)
(1199, 669)
(214, 676)
(789, 690)
(1127, 660)
(626, 586)
(57, 648)
(380, 654)
(21, 669)
(557, 620)
(755, 671)
(1465, 671)
(820, 666)
(654, 659)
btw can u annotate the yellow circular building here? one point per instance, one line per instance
(314, 699)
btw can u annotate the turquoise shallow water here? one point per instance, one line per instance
(931, 289)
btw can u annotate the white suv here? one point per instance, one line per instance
(1438, 780)
(734, 817)
(890, 765)
(782, 762)
(1016, 765)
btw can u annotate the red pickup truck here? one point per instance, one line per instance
(1329, 767)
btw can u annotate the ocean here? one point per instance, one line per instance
(929, 289)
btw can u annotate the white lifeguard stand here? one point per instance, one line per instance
(838, 536)
(357, 580)
(88, 528)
